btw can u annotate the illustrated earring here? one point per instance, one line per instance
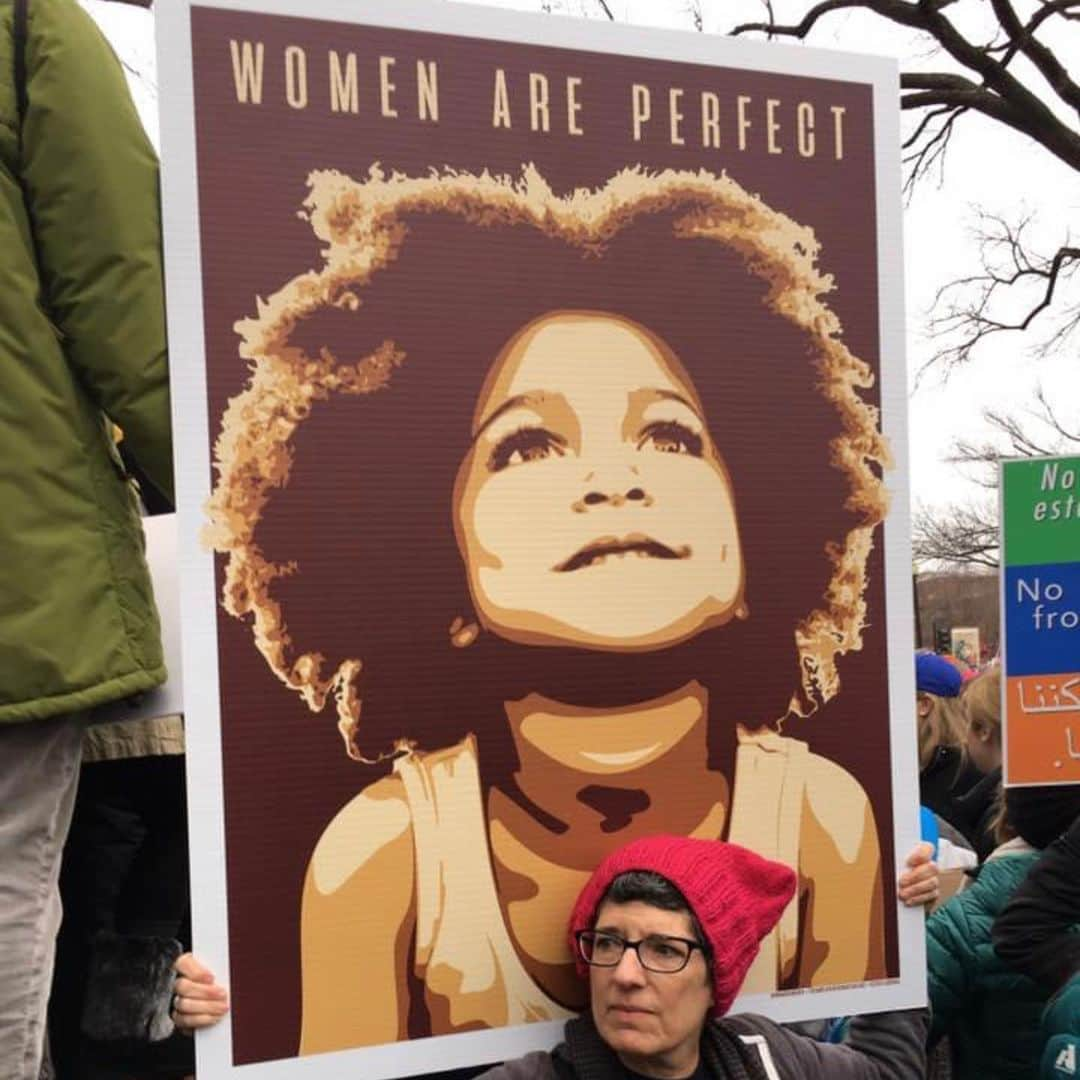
(742, 611)
(462, 633)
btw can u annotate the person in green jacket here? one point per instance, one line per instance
(1061, 1030)
(82, 348)
(1037, 935)
(990, 1012)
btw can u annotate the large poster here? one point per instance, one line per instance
(1040, 618)
(539, 392)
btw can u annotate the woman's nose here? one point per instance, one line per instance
(628, 969)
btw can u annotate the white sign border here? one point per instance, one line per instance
(193, 472)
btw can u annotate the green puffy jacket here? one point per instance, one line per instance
(990, 1014)
(1061, 1030)
(77, 621)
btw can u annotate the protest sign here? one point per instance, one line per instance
(964, 644)
(1040, 605)
(540, 402)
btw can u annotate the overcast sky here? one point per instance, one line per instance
(987, 166)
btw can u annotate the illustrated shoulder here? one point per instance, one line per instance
(370, 835)
(836, 804)
(831, 789)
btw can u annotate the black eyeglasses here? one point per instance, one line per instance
(657, 952)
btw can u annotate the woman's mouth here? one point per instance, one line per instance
(635, 544)
(627, 1010)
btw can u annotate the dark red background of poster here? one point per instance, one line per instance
(285, 772)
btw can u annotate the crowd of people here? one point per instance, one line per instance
(665, 929)
(983, 997)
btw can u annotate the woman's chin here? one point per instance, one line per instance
(631, 1044)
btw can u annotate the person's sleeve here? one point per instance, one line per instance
(1033, 934)
(948, 970)
(92, 179)
(880, 1046)
(1062, 1013)
(1061, 1029)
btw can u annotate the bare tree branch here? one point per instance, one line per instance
(1022, 39)
(998, 93)
(1048, 414)
(928, 118)
(984, 304)
(1043, 125)
(697, 16)
(958, 536)
(1039, 433)
(800, 29)
(922, 159)
(770, 13)
(970, 306)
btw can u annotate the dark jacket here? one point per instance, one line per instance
(82, 343)
(1037, 933)
(948, 776)
(1061, 1030)
(976, 809)
(990, 1013)
(884, 1046)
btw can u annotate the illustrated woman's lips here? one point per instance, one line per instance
(635, 543)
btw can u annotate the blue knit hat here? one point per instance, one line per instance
(935, 675)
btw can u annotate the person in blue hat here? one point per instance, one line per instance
(945, 771)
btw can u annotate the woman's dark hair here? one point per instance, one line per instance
(649, 887)
(337, 464)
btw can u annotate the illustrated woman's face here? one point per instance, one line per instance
(592, 508)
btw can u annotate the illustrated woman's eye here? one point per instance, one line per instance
(524, 445)
(671, 437)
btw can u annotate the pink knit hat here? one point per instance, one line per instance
(737, 896)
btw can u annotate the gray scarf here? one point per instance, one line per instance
(725, 1055)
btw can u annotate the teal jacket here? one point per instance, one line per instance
(82, 343)
(1061, 1030)
(990, 1014)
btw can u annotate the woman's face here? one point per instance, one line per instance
(593, 508)
(652, 1020)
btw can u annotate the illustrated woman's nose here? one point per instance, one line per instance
(614, 498)
(594, 498)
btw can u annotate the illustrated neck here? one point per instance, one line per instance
(634, 770)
